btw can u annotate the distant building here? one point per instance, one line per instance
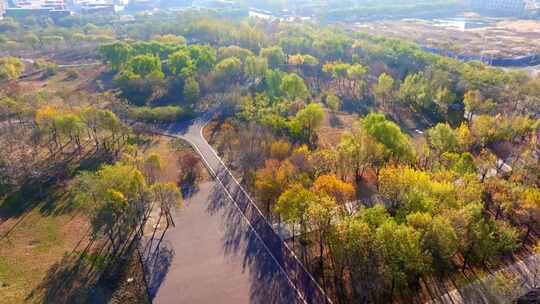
(97, 8)
(37, 8)
(2, 9)
(516, 8)
(21, 12)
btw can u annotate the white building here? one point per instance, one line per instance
(3, 6)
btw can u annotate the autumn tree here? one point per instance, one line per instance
(10, 68)
(280, 150)
(335, 188)
(475, 104)
(167, 198)
(234, 51)
(272, 180)
(116, 197)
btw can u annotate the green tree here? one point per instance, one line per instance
(180, 64)
(293, 204)
(273, 81)
(146, 66)
(358, 151)
(389, 135)
(32, 40)
(255, 67)
(443, 138)
(191, 91)
(204, 57)
(274, 55)
(438, 238)
(384, 89)
(444, 98)
(294, 86)
(320, 213)
(228, 71)
(357, 74)
(415, 92)
(339, 72)
(333, 102)
(116, 54)
(404, 260)
(307, 121)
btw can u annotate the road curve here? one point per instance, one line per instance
(283, 259)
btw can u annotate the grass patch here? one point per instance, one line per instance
(35, 242)
(165, 114)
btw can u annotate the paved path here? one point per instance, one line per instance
(523, 277)
(222, 249)
(212, 256)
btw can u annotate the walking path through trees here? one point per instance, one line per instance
(503, 286)
(223, 247)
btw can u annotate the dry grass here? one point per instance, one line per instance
(335, 124)
(502, 37)
(35, 243)
(87, 80)
(171, 151)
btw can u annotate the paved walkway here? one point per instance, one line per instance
(520, 278)
(212, 256)
(223, 250)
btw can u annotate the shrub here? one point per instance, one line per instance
(49, 68)
(72, 74)
(165, 114)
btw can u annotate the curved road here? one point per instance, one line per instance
(223, 250)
